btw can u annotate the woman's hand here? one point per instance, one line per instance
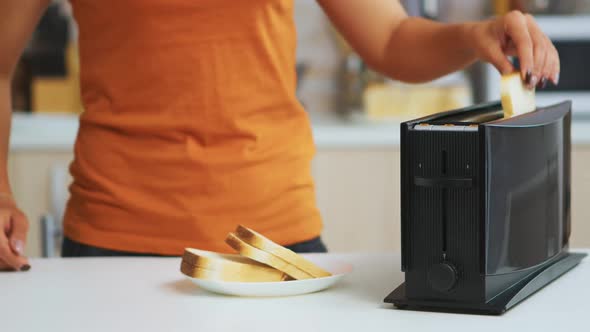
(516, 34)
(413, 49)
(17, 22)
(13, 234)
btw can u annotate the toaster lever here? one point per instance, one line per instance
(444, 182)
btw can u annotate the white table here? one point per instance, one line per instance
(150, 294)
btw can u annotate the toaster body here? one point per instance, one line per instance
(485, 210)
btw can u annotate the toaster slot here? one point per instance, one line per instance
(444, 202)
(474, 117)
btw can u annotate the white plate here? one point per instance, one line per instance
(282, 288)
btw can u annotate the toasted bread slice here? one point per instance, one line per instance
(260, 242)
(212, 260)
(516, 97)
(230, 275)
(206, 264)
(264, 257)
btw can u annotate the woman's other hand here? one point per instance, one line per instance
(13, 234)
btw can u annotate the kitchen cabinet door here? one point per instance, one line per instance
(358, 196)
(580, 196)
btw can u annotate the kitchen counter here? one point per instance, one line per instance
(58, 132)
(150, 294)
(36, 131)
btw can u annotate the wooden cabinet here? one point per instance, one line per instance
(580, 197)
(357, 194)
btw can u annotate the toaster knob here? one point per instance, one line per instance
(442, 276)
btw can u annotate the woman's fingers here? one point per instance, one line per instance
(18, 234)
(553, 64)
(539, 52)
(539, 60)
(549, 69)
(497, 57)
(8, 257)
(516, 29)
(485, 37)
(540, 70)
(544, 53)
(5, 267)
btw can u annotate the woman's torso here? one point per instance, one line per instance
(191, 125)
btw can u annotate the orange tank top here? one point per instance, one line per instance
(191, 126)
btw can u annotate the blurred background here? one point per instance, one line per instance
(355, 116)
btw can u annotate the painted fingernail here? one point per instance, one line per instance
(25, 267)
(527, 77)
(534, 81)
(19, 246)
(556, 79)
(542, 83)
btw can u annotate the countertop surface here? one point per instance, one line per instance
(44, 131)
(150, 294)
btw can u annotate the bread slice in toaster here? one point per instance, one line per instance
(260, 242)
(515, 96)
(226, 267)
(264, 257)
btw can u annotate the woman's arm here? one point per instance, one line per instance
(414, 49)
(17, 21)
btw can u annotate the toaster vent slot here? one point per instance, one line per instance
(443, 162)
(444, 215)
(444, 202)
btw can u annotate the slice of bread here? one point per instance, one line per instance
(516, 97)
(264, 257)
(210, 265)
(260, 242)
(230, 275)
(213, 260)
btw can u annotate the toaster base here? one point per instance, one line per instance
(499, 304)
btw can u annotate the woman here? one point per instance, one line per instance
(191, 124)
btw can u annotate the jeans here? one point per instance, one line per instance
(71, 248)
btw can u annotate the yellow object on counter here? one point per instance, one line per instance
(59, 95)
(502, 7)
(406, 101)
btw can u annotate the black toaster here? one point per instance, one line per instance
(485, 207)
